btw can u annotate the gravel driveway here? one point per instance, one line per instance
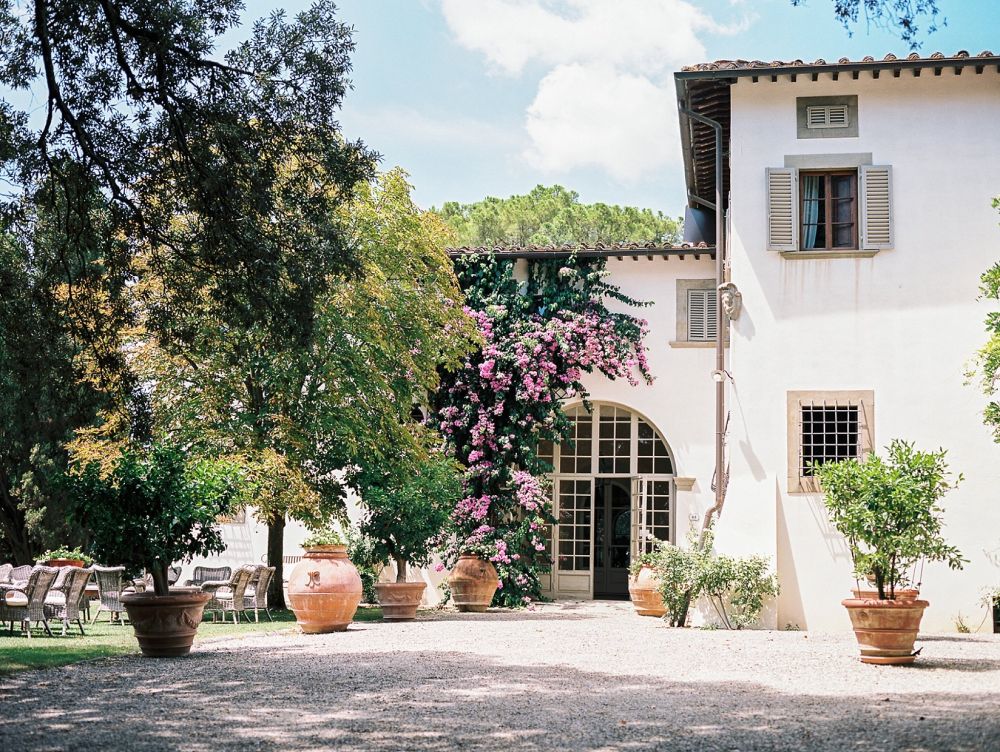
(569, 677)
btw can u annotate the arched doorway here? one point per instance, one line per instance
(613, 495)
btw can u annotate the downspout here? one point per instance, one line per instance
(720, 323)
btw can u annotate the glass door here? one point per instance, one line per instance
(612, 537)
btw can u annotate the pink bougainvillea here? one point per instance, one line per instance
(537, 345)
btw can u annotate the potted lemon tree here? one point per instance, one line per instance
(406, 508)
(889, 510)
(153, 508)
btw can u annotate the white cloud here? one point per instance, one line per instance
(595, 116)
(605, 97)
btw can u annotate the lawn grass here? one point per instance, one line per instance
(18, 653)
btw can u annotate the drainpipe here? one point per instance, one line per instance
(720, 323)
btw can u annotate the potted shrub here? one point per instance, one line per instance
(889, 511)
(154, 508)
(324, 587)
(644, 586)
(404, 513)
(65, 557)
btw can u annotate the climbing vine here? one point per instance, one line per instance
(540, 336)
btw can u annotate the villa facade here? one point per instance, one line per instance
(854, 222)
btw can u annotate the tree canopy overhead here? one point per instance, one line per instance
(553, 215)
(902, 16)
(138, 106)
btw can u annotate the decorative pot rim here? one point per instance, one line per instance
(172, 599)
(401, 585)
(67, 562)
(877, 603)
(326, 548)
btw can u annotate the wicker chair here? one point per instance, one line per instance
(173, 574)
(27, 604)
(230, 595)
(256, 597)
(109, 585)
(19, 575)
(65, 602)
(5, 570)
(209, 574)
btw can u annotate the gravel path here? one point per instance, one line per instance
(568, 677)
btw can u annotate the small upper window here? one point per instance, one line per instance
(827, 116)
(829, 203)
(702, 322)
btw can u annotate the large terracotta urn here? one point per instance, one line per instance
(644, 590)
(165, 625)
(324, 590)
(399, 600)
(885, 630)
(473, 582)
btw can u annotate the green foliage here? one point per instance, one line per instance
(890, 513)
(155, 508)
(361, 552)
(329, 535)
(988, 358)
(407, 506)
(737, 587)
(46, 392)
(900, 16)
(553, 215)
(65, 552)
(678, 571)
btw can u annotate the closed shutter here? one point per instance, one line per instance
(876, 206)
(702, 312)
(827, 116)
(782, 209)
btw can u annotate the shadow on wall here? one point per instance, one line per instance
(290, 698)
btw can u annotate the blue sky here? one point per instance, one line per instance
(491, 97)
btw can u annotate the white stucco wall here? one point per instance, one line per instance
(904, 323)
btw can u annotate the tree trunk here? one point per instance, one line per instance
(161, 585)
(275, 558)
(400, 569)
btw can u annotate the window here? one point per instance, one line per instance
(833, 211)
(829, 210)
(697, 303)
(826, 427)
(574, 525)
(702, 323)
(827, 117)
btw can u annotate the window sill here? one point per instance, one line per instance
(686, 344)
(827, 254)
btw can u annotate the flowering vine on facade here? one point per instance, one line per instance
(540, 336)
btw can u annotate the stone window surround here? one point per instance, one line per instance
(683, 285)
(802, 129)
(865, 398)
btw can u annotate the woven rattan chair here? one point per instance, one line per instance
(229, 596)
(202, 575)
(19, 575)
(5, 570)
(109, 586)
(256, 597)
(173, 574)
(27, 605)
(65, 602)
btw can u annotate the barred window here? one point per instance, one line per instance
(826, 427)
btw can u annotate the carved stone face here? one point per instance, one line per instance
(732, 300)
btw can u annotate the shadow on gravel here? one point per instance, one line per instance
(291, 699)
(507, 615)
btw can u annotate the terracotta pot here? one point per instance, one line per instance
(165, 624)
(473, 583)
(64, 563)
(644, 590)
(324, 590)
(885, 630)
(902, 594)
(399, 600)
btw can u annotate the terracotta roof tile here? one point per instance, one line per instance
(739, 65)
(596, 249)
